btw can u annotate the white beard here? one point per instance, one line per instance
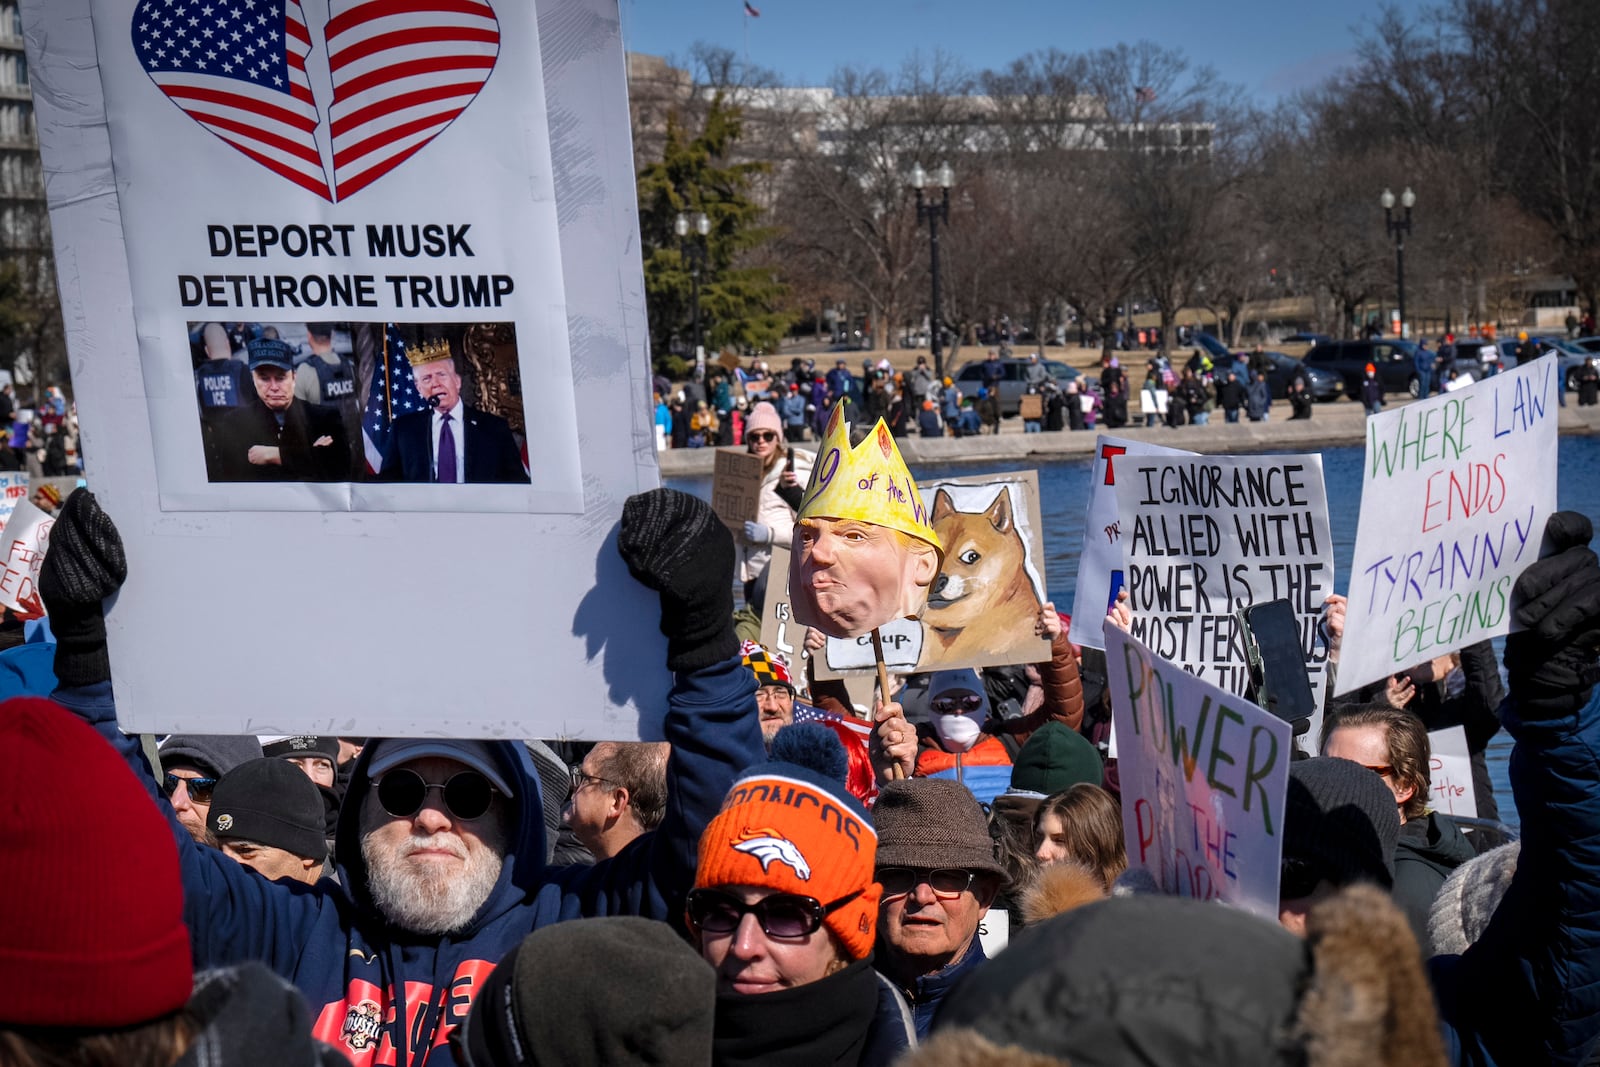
(423, 898)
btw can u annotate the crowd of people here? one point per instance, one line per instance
(781, 882)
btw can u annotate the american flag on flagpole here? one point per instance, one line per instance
(751, 10)
(1144, 94)
(402, 72)
(393, 393)
(238, 68)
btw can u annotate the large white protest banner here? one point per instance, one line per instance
(1101, 567)
(1206, 536)
(1204, 776)
(1454, 500)
(13, 490)
(460, 232)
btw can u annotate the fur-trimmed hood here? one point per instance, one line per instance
(1060, 888)
(1197, 983)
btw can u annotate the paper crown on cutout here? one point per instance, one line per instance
(428, 352)
(869, 482)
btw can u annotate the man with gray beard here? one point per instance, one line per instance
(440, 846)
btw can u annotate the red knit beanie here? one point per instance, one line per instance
(91, 895)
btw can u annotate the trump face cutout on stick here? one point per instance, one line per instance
(864, 553)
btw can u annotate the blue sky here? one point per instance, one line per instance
(1267, 46)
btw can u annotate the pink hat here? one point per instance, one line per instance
(763, 417)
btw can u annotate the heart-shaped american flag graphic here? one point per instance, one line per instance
(400, 72)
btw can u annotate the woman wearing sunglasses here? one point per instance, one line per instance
(785, 910)
(784, 473)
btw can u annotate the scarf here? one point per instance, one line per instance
(814, 1025)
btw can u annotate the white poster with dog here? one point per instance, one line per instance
(1101, 568)
(983, 607)
(429, 601)
(1207, 535)
(1204, 775)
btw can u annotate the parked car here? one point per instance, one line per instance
(969, 379)
(1306, 339)
(1573, 355)
(1393, 358)
(1324, 385)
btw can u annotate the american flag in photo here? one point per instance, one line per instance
(402, 71)
(238, 68)
(394, 393)
(806, 713)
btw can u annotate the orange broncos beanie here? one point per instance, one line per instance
(791, 828)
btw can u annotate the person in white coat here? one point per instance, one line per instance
(785, 470)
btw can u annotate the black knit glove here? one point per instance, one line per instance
(1552, 662)
(675, 544)
(84, 565)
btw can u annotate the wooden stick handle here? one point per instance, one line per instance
(896, 773)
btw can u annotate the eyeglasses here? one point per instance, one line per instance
(199, 788)
(780, 694)
(1297, 878)
(467, 794)
(947, 883)
(761, 435)
(578, 778)
(956, 705)
(782, 915)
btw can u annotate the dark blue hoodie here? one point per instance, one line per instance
(333, 943)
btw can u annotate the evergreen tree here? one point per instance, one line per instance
(741, 302)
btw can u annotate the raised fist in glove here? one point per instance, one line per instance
(85, 564)
(1551, 663)
(675, 544)
(757, 533)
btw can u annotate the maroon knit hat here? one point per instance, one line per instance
(91, 891)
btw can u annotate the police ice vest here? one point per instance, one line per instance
(338, 380)
(220, 383)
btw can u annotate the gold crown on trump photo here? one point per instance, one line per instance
(428, 352)
(869, 482)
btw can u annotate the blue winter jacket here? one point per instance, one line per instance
(1528, 990)
(381, 995)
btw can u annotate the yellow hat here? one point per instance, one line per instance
(869, 482)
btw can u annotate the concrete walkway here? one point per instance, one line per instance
(1333, 424)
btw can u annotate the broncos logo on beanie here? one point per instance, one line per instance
(768, 847)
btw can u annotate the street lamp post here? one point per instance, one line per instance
(1398, 229)
(695, 252)
(932, 212)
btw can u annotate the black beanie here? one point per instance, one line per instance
(271, 802)
(592, 993)
(1341, 818)
(215, 754)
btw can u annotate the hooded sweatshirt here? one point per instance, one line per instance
(381, 995)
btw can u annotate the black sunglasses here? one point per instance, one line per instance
(782, 915)
(199, 788)
(1297, 878)
(954, 705)
(467, 794)
(947, 883)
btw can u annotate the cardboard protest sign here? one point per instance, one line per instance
(1031, 406)
(1206, 536)
(1454, 500)
(26, 539)
(863, 552)
(1450, 788)
(500, 226)
(1101, 568)
(983, 606)
(736, 487)
(779, 632)
(1204, 778)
